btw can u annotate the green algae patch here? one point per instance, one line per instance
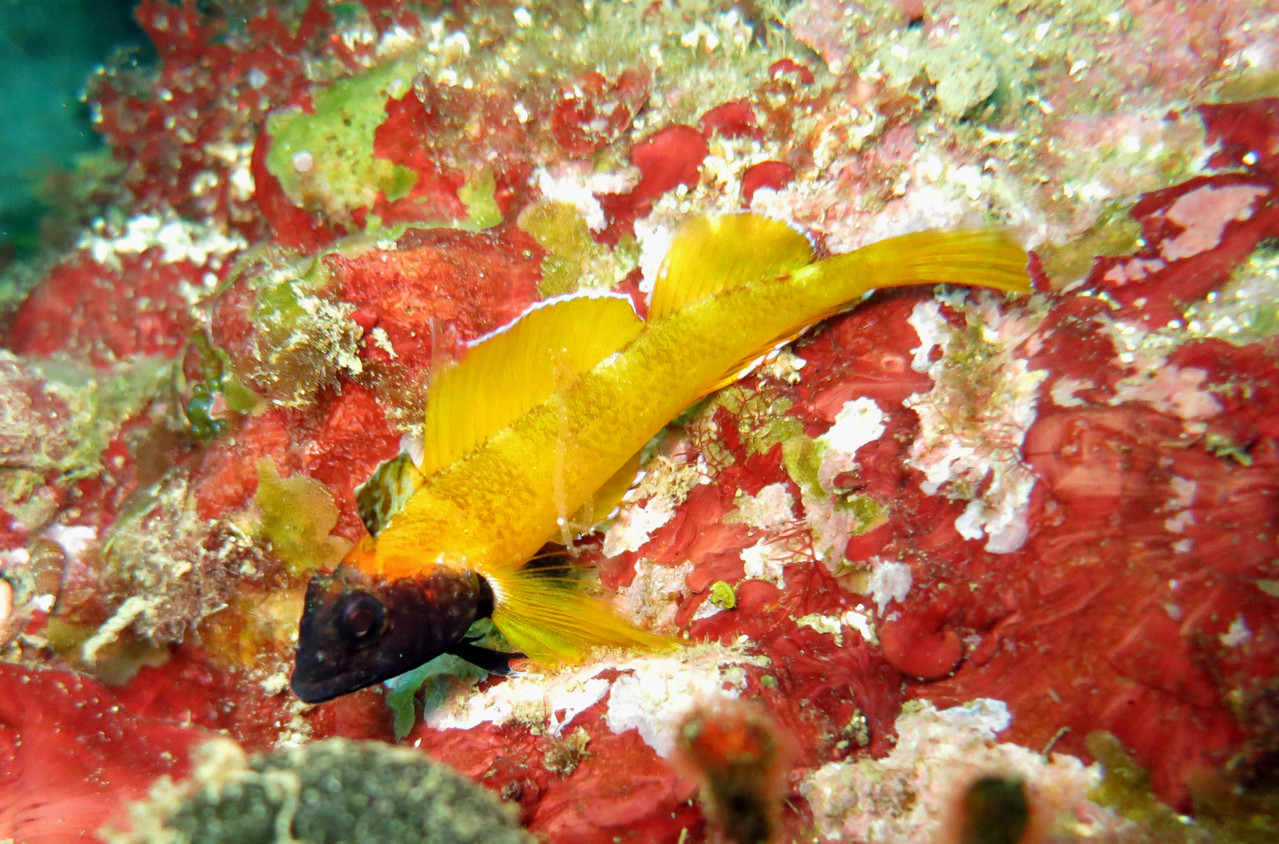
(762, 422)
(114, 659)
(217, 397)
(324, 159)
(833, 515)
(574, 260)
(304, 335)
(1225, 812)
(479, 195)
(298, 514)
(1115, 234)
(723, 595)
(58, 417)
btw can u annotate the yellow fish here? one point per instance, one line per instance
(546, 417)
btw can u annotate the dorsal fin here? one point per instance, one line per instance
(507, 373)
(712, 254)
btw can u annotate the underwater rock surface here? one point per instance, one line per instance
(944, 537)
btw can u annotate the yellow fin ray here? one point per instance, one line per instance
(980, 258)
(983, 258)
(712, 254)
(551, 619)
(512, 370)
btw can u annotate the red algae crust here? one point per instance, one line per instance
(944, 537)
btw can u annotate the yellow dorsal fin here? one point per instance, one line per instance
(711, 254)
(550, 618)
(507, 373)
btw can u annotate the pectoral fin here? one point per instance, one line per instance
(384, 493)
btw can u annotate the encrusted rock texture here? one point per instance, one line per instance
(945, 536)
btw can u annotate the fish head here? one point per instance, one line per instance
(357, 630)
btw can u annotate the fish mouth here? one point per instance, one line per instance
(357, 630)
(326, 689)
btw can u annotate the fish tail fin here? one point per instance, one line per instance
(982, 258)
(552, 618)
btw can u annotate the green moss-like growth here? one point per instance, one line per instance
(1225, 811)
(723, 595)
(1115, 233)
(762, 420)
(802, 458)
(479, 195)
(297, 516)
(574, 261)
(1125, 787)
(324, 160)
(218, 397)
(331, 791)
(304, 335)
(802, 461)
(832, 514)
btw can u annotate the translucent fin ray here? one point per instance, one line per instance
(552, 620)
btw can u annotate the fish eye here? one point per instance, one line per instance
(360, 619)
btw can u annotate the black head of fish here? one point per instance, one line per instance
(357, 630)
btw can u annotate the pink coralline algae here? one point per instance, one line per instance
(944, 539)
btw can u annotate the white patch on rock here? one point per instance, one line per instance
(649, 694)
(580, 188)
(177, 238)
(767, 560)
(549, 702)
(653, 695)
(772, 508)
(654, 241)
(1064, 389)
(1203, 215)
(932, 329)
(828, 624)
(834, 625)
(908, 795)
(654, 595)
(858, 422)
(986, 442)
(633, 526)
(74, 540)
(889, 581)
(1238, 634)
(1169, 389)
(1154, 381)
